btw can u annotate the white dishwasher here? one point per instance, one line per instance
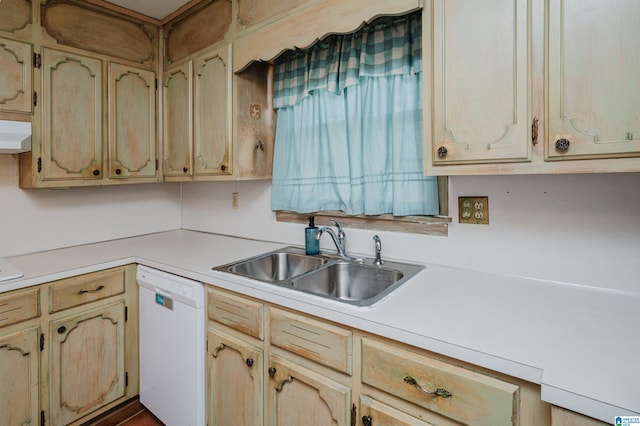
(172, 347)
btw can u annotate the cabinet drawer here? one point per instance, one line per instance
(317, 341)
(19, 306)
(475, 398)
(236, 312)
(83, 289)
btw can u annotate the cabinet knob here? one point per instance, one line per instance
(366, 420)
(272, 371)
(118, 171)
(249, 362)
(562, 145)
(62, 329)
(223, 167)
(442, 152)
(96, 172)
(185, 169)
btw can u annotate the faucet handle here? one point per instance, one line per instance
(337, 225)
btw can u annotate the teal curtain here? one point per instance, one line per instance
(349, 127)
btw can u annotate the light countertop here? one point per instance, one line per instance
(581, 344)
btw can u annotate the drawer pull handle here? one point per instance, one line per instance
(438, 392)
(217, 350)
(81, 292)
(283, 382)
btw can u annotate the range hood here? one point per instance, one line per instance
(15, 137)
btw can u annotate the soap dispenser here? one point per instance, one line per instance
(311, 243)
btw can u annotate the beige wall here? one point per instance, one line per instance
(41, 219)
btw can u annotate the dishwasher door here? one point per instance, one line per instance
(172, 347)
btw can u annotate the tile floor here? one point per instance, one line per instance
(131, 413)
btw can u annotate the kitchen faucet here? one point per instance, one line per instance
(338, 239)
(378, 261)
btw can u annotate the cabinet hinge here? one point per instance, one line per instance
(156, 84)
(126, 313)
(39, 164)
(126, 379)
(42, 418)
(156, 164)
(35, 98)
(354, 413)
(37, 60)
(41, 342)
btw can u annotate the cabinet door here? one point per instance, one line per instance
(132, 122)
(481, 82)
(594, 95)
(212, 121)
(71, 116)
(19, 381)
(87, 362)
(178, 121)
(15, 76)
(235, 381)
(299, 396)
(374, 413)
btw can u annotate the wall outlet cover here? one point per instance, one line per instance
(473, 210)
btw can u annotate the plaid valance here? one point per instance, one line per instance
(386, 46)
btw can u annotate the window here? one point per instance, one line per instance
(349, 129)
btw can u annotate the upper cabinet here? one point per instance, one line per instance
(15, 19)
(481, 81)
(71, 105)
(15, 76)
(524, 89)
(593, 93)
(197, 117)
(94, 113)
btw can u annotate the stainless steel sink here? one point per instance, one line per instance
(348, 281)
(357, 282)
(275, 266)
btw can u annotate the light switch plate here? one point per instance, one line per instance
(473, 210)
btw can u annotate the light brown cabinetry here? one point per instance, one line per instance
(68, 349)
(197, 117)
(87, 362)
(72, 149)
(235, 363)
(300, 395)
(19, 357)
(235, 380)
(71, 117)
(94, 113)
(450, 391)
(132, 122)
(529, 88)
(318, 372)
(563, 417)
(91, 349)
(16, 94)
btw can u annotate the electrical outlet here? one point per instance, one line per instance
(234, 200)
(473, 210)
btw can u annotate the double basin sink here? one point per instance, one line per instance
(356, 281)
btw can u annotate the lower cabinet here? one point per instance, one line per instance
(562, 417)
(298, 395)
(19, 379)
(270, 365)
(235, 380)
(68, 349)
(373, 412)
(87, 362)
